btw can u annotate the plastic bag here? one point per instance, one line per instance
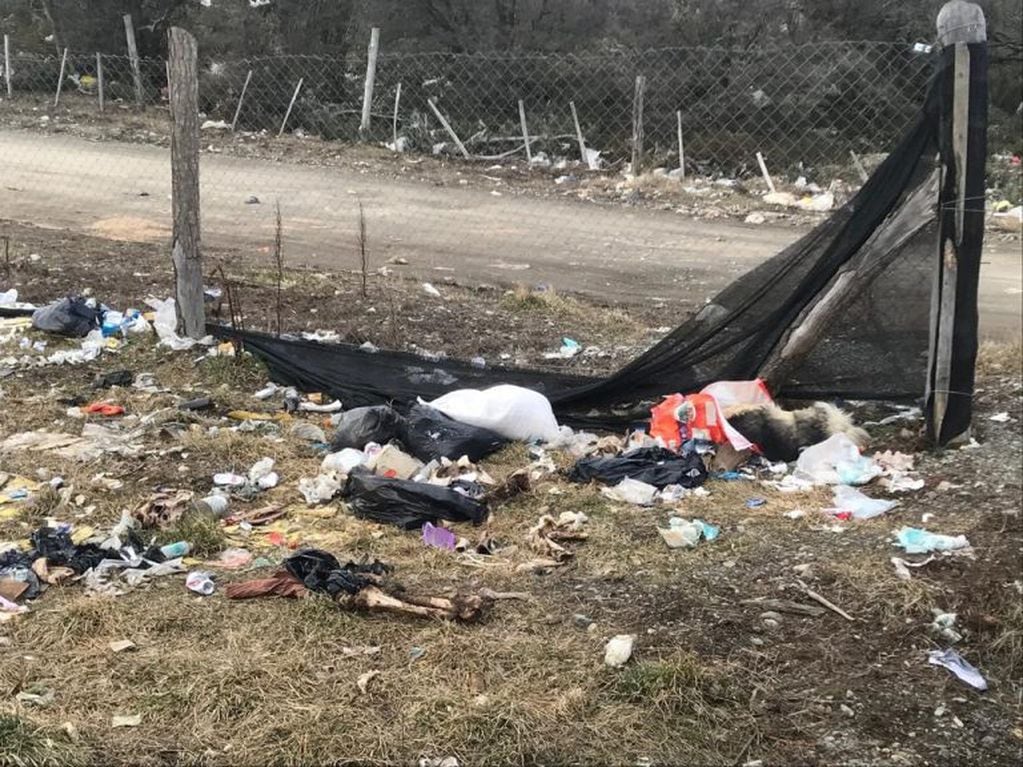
(320, 571)
(430, 435)
(835, 461)
(165, 322)
(513, 412)
(862, 506)
(71, 316)
(652, 465)
(362, 425)
(632, 491)
(408, 504)
(917, 541)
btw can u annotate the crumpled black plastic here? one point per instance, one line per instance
(70, 316)
(407, 504)
(320, 571)
(58, 549)
(361, 425)
(654, 465)
(430, 435)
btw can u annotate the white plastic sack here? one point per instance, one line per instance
(511, 411)
(835, 461)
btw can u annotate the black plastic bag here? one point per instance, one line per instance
(362, 425)
(653, 465)
(409, 505)
(58, 549)
(430, 435)
(70, 316)
(320, 571)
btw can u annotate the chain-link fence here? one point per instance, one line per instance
(808, 105)
(494, 217)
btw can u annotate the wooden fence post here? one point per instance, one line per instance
(60, 79)
(579, 135)
(7, 66)
(241, 99)
(637, 125)
(394, 122)
(371, 73)
(681, 147)
(525, 132)
(953, 338)
(449, 129)
(184, 107)
(287, 115)
(133, 56)
(99, 80)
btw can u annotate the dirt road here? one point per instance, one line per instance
(618, 253)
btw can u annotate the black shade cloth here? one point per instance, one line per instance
(877, 348)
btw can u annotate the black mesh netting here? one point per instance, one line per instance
(863, 279)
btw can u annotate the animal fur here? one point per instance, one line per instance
(781, 434)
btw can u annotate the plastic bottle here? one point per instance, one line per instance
(175, 550)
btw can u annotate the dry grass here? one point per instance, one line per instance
(240, 683)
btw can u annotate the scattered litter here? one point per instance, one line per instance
(1000, 418)
(364, 679)
(128, 720)
(200, 582)
(310, 432)
(894, 461)
(955, 663)
(430, 290)
(902, 567)
(901, 483)
(944, 626)
(122, 645)
(438, 537)
(618, 650)
(755, 503)
(569, 348)
(860, 506)
(683, 533)
(512, 412)
(392, 462)
(227, 479)
(917, 541)
(653, 465)
(631, 491)
(319, 489)
(835, 461)
(410, 504)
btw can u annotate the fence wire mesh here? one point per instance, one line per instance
(805, 108)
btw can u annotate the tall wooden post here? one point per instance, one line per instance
(60, 79)
(371, 73)
(962, 32)
(637, 125)
(7, 66)
(99, 81)
(133, 56)
(184, 107)
(241, 100)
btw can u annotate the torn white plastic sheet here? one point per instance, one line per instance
(959, 666)
(835, 461)
(319, 489)
(631, 491)
(861, 506)
(166, 325)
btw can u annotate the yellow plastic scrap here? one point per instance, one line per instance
(250, 415)
(81, 534)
